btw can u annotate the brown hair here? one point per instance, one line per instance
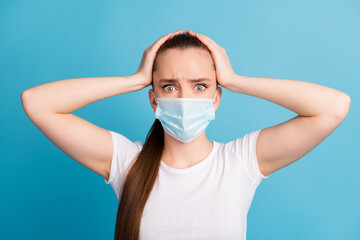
(141, 175)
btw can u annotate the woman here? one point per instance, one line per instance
(178, 184)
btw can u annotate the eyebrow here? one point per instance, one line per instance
(170, 80)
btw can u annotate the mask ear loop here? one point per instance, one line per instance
(215, 95)
(156, 98)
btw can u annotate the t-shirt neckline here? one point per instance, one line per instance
(199, 165)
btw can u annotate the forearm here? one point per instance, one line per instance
(68, 95)
(303, 98)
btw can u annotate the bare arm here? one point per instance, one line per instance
(320, 111)
(68, 95)
(49, 107)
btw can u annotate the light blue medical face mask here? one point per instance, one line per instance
(185, 118)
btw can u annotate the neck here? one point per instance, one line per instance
(181, 155)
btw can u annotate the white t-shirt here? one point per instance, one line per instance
(209, 200)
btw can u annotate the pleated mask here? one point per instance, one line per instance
(185, 118)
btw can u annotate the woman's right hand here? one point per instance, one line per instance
(144, 72)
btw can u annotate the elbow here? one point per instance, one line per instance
(26, 101)
(24, 96)
(344, 107)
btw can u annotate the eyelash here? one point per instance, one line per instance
(204, 85)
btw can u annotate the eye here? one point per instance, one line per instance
(169, 87)
(203, 86)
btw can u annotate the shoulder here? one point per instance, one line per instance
(243, 143)
(243, 150)
(124, 150)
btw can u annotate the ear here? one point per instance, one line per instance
(217, 98)
(153, 102)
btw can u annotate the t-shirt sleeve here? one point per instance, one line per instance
(124, 151)
(245, 147)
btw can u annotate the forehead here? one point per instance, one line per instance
(191, 63)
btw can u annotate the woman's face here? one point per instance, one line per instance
(187, 73)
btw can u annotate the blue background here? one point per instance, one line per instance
(47, 195)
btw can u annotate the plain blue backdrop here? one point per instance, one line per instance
(47, 195)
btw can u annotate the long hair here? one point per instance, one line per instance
(141, 174)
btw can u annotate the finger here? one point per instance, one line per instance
(163, 39)
(160, 41)
(206, 40)
(179, 31)
(209, 41)
(176, 33)
(155, 46)
(190, 32)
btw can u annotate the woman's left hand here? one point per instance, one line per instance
(224, 72)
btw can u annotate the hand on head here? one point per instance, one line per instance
(144, 71)
(224, 72)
